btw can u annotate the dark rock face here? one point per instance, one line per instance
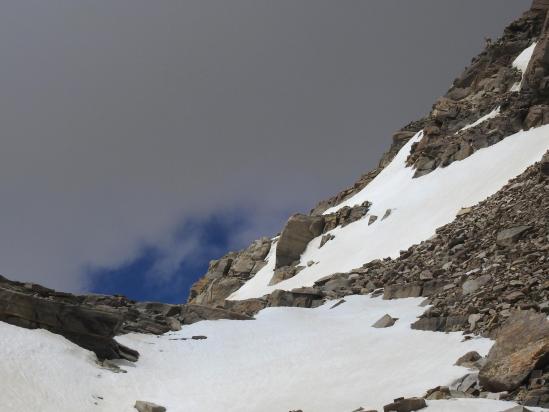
(510, 236)
(386, 321)
(92, 321)
(522, 345)
(540, 4)
(296, 235)
(405, 405)
(400, 291)
(229, 273)
(92, 328)
(488, 83)
(544, 165)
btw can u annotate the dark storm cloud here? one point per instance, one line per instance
(121, 119)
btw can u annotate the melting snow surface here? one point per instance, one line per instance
(288, 358)
(418, 207)
(521, 63)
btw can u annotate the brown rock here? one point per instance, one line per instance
(521, 345)
(296, 235)
(405, 405)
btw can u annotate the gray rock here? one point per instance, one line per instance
(143, 406)
(387, 214)
(518, 408)
(473, 319)
(510, 236)
(405, 405)
(173, 324)
(89, 327)
(521, 344)
(544, 164)
(473, 285)
(469, 359)
(372, 219)
(400, 291)
(385, 321)
(296, 235)
(194, 313)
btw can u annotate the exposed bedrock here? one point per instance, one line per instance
(297, 233)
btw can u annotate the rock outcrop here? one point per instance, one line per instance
(296, 235)
(522, 346)
(93, 321)
(227, 274)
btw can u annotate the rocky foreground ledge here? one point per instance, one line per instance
(92, 321)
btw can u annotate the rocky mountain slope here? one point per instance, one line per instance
(348, 304)
(500, 93)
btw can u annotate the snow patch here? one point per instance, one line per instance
(491, 115)
(521, 63)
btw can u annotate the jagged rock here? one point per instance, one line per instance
(301, 297)
(438, 393)
(544, 164)
(385, 321)
(400, 291)
(473, 285)
(469, 360)
(340, 302)
(248, 307)
(540, 4)
(521, 345)
(465, 384)
(143, 406)
(296, 235)
(473, 319)
(518, 408)
(510, 236)
(326, 238)
(405, 405)
(217, 291)
(537, 116)
(228, 274)
(441, 323)
(173, 324)
(372, 219)
(283, 273)
(87, 326)
(194, 313)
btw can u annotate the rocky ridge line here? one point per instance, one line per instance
(489, 82)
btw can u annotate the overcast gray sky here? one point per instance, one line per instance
(121, 119)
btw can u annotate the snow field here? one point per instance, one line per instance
(418, 207)
(288, 358)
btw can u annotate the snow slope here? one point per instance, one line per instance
(418, 207)
(316, 359)
(521, 63)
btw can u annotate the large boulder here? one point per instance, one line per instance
(296, 235)
(508, 237)
(92, 328)
(521, 346)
